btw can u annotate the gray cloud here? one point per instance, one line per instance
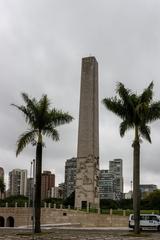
(42, 43)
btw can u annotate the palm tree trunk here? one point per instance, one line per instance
(136, 183)
(38, 188)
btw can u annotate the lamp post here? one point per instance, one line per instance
(33, 197)
(30, 186)
(131, 189)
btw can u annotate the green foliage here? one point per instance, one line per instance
(70, 200)
(42, 121)
(57, 201)
(113, 204)
(20, 200)
(152, 201)
(134, 110)
(108, 204)
(125, 203)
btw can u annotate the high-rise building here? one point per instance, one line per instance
(116, 167)
(30, 188)
(48, 181)
(106, 185)
(70, 176)
(111, 181)
(18, 182)
(54, 192)
(61, 190)
(87, 176)
(57, 192)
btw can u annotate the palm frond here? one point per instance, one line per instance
(43, 112)
(59, 118)
(147, 95)
(115, 106)
(27, 100)
(27, 114)
(21, 108)
(24, 139)
(124, 126)
(51, 132)
(44, 103)
(128, 99)
(123, 92)
(153, 112)
(145, 132)
(135, 110)
(32, 109)
(41, 119)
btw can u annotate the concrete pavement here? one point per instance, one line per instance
(65, 233)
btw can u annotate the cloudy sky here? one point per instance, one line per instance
(42, 43)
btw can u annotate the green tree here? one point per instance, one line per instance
(108, 204)
(70, 200)
(19, 199)
(153, 200)
(136, 111)
(125, 203)
(42, 121)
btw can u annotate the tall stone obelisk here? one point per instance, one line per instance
(87, 191)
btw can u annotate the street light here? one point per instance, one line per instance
(33, 197)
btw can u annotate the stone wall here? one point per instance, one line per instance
(22, 217)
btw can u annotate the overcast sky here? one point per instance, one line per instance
(42, 43)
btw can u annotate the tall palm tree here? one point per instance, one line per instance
(136, 111)
(42, 121)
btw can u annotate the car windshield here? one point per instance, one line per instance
(148, 217)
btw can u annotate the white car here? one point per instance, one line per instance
(147, 221)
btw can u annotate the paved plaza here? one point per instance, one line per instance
(77, 234)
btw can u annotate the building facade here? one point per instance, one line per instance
(106, 185)
(116, 168)
(111, 181)
(70, 176)
(18, 182)
(57, 192)
(48, 182)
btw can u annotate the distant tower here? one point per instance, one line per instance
(87, 192)
(18, 182)
(106, 185)
(48, 181)
(70, 176)
(116, 167)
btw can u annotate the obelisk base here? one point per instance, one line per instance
(87, 183)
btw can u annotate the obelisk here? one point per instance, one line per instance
(87, 175)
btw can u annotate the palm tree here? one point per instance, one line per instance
(136, 111)
(42, 122)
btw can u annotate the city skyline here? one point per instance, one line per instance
(42, 44)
